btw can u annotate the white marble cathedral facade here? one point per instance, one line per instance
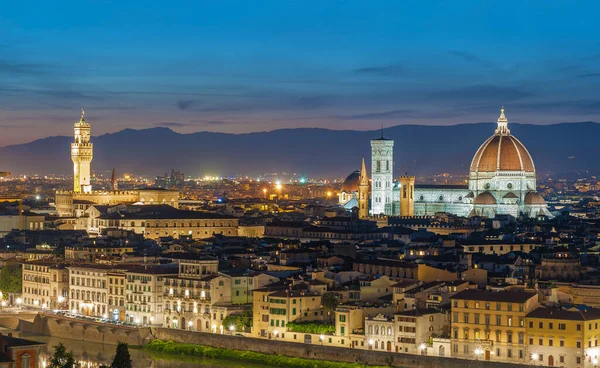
(502, 180)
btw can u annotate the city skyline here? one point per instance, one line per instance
(230, 67)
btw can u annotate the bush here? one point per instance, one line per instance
(311, 328)
(201, 351)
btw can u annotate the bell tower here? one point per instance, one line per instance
(382, 174)
(407, 195)
(82, 154)
(363, 192)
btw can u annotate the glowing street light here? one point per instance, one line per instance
(478, 352)
(19, 301)
(371, 343)
(534, 357)
(231, 328)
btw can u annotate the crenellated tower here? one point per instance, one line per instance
(82, 153)
(363, 192)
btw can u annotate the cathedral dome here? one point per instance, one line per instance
(533, 198)
(502, 152)
(351, 183)
(485, 198)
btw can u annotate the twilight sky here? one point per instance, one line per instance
(244, 66)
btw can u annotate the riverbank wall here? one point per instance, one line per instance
(63, 327)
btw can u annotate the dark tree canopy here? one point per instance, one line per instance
(62, 358)
(122, 358)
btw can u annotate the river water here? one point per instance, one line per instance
(92, 355)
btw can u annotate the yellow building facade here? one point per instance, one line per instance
(489, 325)
(563, 338)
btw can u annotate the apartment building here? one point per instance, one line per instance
(45, 285)
(116, 295)
(145, 292)
(490, 325)
(88, 289)
(563, 338)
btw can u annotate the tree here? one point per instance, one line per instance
(10, 280)
(240, 321)
(61, 358)
(122, 358)
(330, 302)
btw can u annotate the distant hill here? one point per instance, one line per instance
(420, 150)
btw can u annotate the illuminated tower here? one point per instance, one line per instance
(363, 192)
(81, 154)
(407, 195)
(382, 174)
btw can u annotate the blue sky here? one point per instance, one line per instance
(244, 66)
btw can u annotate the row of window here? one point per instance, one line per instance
(487, 319)
(487, 305)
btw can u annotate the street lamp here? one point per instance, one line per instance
(534, 357)
(423, 347)
(478, 352)
(19, 301)
(322, 339)
(371, 342)
(231, 328)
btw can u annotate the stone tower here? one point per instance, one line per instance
(113, 181)
(407, 195)
(82, 154)
(382, 174)
(363, 192)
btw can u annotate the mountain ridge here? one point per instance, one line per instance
(419, 149)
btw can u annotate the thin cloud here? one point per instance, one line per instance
(171, 124)
(21, 68)
(185, 104)
(588, 75)
(478, 93)
(471, 58)
(400, 114)
(211, 122)
(385, 70)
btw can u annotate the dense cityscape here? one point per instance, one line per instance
(499, 268)
(299, 184)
